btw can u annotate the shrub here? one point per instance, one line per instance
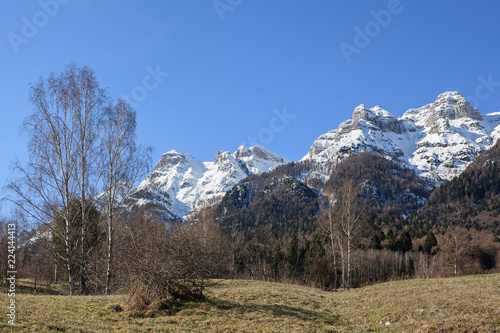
(174, 265)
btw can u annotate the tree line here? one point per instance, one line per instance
(353, 239)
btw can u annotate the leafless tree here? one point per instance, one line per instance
(87, 102)
(455, 246)
(330, 229)
(201, 247)
(122, 163)
(349, 205)
(174, 263)
(62, 137)
(3, 250)
(340, 242)
(425, 265)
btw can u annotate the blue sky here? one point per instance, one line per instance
(239, 71)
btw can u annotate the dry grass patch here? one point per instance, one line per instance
(465, 304)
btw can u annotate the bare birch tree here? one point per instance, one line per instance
(123, 163)
(349, 205)
(47, 184)
(340, 242)
(88, 101)
(62, 136)
(329, 228)
(455, 246)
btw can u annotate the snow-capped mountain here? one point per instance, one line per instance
(438, 140)
(180, 183)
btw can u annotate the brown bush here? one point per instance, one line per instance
(173, 265)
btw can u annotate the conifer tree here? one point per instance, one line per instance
(430, 242)
(404, 241)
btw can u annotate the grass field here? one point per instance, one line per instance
(465, 304)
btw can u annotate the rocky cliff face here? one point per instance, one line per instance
(438, 140)
(179, 183)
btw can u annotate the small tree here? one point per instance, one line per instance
(455, 245)
(331, 231)
(404, 241)
(375, 242)
(122, 163)
(430, 242)
(175, 263)
(4, 253)
(349, 205)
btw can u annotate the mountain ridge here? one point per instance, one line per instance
(179, 183)
(438, 141)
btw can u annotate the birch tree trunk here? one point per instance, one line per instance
(124, 163)
(54, 178)
(350, 206)
(340, 242)
(330, 231)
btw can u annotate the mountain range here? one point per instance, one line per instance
(179, 183)
(436, 141)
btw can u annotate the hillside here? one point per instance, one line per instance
(465, 304)
(280, 200)
(471, 199)
(386, 187)
(273, 199)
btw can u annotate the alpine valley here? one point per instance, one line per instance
(433, 144)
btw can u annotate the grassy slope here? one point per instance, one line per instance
(456, 304)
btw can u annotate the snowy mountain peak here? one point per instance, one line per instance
(179, 183)
(375, 116)
(449, 105)
(438, 140)
(450, 95)
(223, 156)
(265, 154)
(173, 158)
(362, 112)
(241, 152)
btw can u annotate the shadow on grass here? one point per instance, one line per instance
(30, 287)
(277, 311)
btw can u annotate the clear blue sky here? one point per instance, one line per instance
(230, 67)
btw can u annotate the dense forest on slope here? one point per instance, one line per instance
(273, 199)
(388, 191)
(386, 187)
(471, 200)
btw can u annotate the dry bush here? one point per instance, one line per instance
(173, 265)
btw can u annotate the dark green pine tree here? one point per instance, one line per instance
(292, 252)
(404, 241)
(375, 242)
(390, 235)
(430, 242)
